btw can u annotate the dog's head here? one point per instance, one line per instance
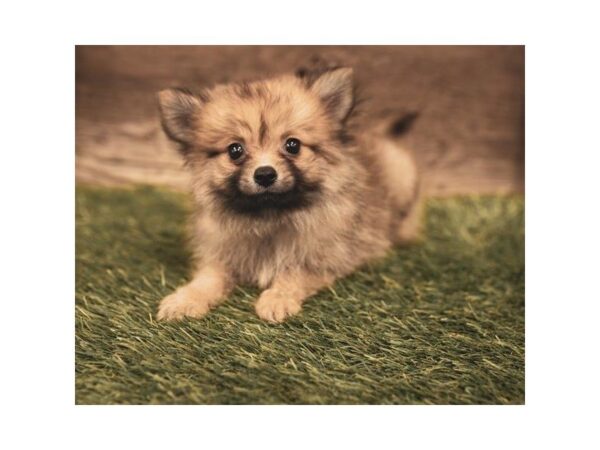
(262, 146)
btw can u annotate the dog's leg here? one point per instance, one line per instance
(287, 293)
(409, 230)
(207, 289)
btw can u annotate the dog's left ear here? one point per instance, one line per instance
(336, 89)
(178, 108)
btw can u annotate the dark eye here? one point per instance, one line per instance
(235, 150)
(292, 145)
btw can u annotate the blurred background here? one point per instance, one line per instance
(469, 137)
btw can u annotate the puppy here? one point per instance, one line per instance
(285, 197)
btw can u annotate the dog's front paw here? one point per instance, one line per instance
(274, 306)
(184, 302)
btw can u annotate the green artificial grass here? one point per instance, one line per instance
(437, 323)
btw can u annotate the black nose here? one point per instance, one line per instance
(265, 176)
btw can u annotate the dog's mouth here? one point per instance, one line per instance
(301, 195)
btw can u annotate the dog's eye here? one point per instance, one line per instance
(292, 145)
(235, 150)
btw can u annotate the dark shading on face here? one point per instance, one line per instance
(302, 195)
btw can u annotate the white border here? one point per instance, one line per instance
(38, 211)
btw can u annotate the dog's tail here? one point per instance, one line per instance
(400, 126)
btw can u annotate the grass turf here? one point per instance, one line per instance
(437, 323)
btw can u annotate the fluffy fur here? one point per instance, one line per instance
(336, 204)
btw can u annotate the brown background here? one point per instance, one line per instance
(469, 136)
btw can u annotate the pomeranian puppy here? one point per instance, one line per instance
(286, 197)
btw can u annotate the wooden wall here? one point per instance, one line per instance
(469, 137)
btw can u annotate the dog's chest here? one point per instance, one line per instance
(258, 258)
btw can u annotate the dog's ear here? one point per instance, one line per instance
(335, 88)
(178, 108)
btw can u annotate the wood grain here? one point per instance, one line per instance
(469, 137)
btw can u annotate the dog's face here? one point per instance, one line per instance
(262, 146)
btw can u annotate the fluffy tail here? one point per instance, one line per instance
(402, 125)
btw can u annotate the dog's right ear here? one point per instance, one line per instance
(178, 108)
(335, 88)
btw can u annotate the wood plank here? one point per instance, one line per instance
(469, 137)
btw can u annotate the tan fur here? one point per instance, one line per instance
(366, 199)
(207, 289)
